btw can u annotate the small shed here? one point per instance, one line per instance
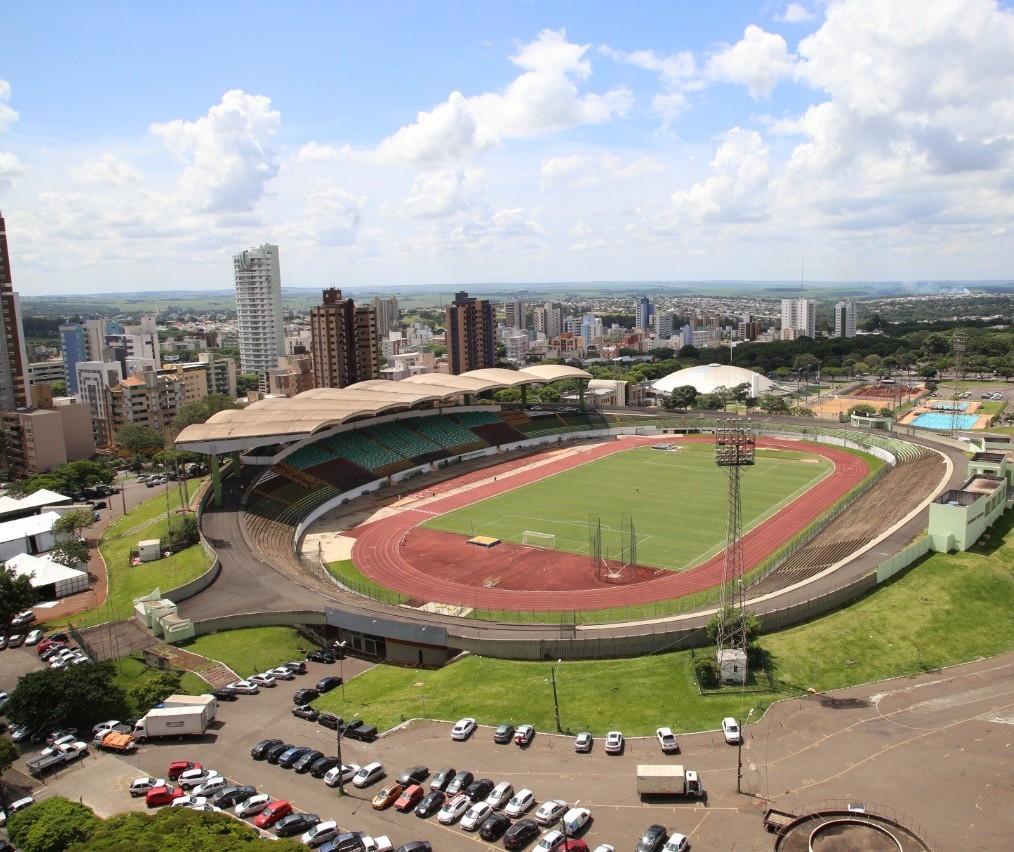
(732, 665)
(149, 609)
(149, 550)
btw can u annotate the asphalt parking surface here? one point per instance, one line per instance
(938, 748)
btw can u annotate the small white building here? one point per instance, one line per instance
(50, 579)
(732, 665)
(31, 535)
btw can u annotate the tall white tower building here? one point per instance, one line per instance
(799, 318)
(845, 318)
(259, 308)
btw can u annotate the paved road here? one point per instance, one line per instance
(938, 748)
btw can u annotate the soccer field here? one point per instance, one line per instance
(677, 500)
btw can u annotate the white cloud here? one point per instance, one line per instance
(759, 60)
(330, 216)
(8, 115)
(674, 69)
(228, 152)
(588, 169)
(443, 193)
(543, 99)
(795, 13)
(106, 168)
(11, 167)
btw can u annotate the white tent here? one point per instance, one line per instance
(33, 502)
(52, 579)
(33, 534)
(707, 377)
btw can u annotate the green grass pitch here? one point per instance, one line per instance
(677, 501)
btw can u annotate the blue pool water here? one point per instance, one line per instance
(934, 420)
(950, 406)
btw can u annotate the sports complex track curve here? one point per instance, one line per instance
(378, 548)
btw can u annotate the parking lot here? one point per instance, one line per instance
(915, 744)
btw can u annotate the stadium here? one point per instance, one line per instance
(426, 520)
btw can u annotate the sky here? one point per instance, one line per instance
(438, 142)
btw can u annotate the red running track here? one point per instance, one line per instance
(378, 550)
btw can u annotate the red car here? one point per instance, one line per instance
(410, 797)
(162, 796)
(178, 767)
(272, 813)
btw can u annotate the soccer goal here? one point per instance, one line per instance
(531, 538)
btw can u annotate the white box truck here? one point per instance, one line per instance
(205, 700)
(173, 722)
(667, 780)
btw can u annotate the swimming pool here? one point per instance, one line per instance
(939, 420)
(950, 406)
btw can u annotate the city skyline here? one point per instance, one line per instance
(441, 144)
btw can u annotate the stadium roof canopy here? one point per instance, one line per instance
(287, 419)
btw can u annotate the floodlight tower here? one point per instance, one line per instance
(735, 447)
(958, 346)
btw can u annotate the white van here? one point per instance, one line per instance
(500, 795)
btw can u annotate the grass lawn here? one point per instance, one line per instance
(151, 509)
(131, 672)
(345, 571)
(677, 501)
(254, 650)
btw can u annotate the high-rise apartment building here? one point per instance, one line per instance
(259, 308)
(470, 333)
(14, 389)
(845, 318)
(515, 314)
(643, 310)
(344, 342)
(387, 315)
(549, 320)
(664, 324)
(799, 318)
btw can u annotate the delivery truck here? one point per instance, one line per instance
(58, 756)
(667, 780)
(173, 722)
(205, 700)
(115, 741)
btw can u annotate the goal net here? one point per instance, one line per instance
(530, 538)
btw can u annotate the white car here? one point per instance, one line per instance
(614, 742)
(263, 680)
(20, 805)
(322, 832)
(34, 637)
(195, 778)
(731, 730)
(245, 687)
(142, 785)
(463, 729)
(66, 739)
(667, 740)
(550, 841)
(189, 802)
(604, 847)
(520, 803)
(210, 808)
(281, 673)
(549, 812)
(677, 843)
(475, 815)
(105, 726)
(348, 771)
(211, 785)
(368, 774)
(575, 819)
(453, 809)
(253, 805)
(500, 795)
(583, 742)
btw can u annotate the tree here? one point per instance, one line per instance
(16, 594)
(681, 397)
(710, 402)
(77, 696)
(8, 755)
(771, 404)
(52, 825)
(138, 439)
(246, 382)
(200, 410)
(71, 552)
(74, 522)
(155, 690)
(751, 621)
(864, 409)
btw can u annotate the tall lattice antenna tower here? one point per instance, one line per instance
(735, 447)
(958, 346)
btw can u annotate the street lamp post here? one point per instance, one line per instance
(341, 660)
(556, 699)
(341, 763)
(739, 755)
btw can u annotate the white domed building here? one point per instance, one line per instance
(707, 378)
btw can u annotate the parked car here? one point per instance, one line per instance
(329, 720)
(164, 795)
(550, 812)
(263, 680)
(730, 729)
(520, 834)
(369, 774)
(459, 782)
(231, 796)
(211, 786)
(463, 729)
(575, 819)
(34, 637)
(306, 760)
(453, 809)
(500, 795)
(16, 641)
(442, 779)
(494, 826)
(414, 775)
(189, 801)
(348, 772)
(274, 754)
(305, 711)
(475, 816)
(614, 742)
(326, 684)
(477, 791)
(409, 798)
(178, 767)
(429, 804)
(320, 833)
(259, 751)
(666, 740)
(272, 813)
(583, 742)
(296, 666)
(503, 734)
(282, 673)
(287, 759)
(226, 693)
(415, 846)
(520, 802)
(320, 767)
(387, 796)
(293, 824)
(524, 735)
(245, 687)
(677, 843)
(305, 696)
(141, 786)
(254, 805)
(195, 777)
(321, 655)
(653, 839)
(550, 841)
